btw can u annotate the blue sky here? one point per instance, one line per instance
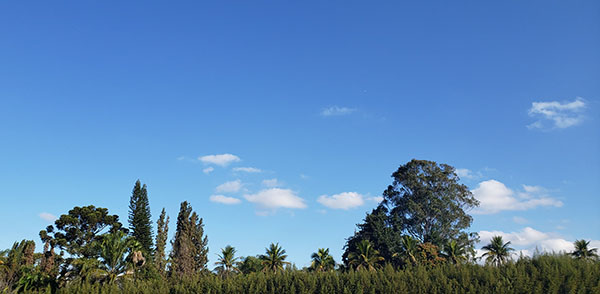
(326, 98)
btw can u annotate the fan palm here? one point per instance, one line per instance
(322, 261)
(582, 251)
(364, 257)
(498, 252)
(454, 252)
(227, 262)
(274, 259)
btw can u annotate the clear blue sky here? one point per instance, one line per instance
(327, 98)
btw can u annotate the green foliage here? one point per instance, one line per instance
(582, 251)
(541, 274)
(227, 262)
(322, 261)
(161, 241)
(140, 224)
(76, 231)
(190, 246)
(250, 264)
(14, 261)
(274, 258)
(498, 252)
(365, 257)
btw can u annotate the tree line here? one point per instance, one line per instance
(420, 228)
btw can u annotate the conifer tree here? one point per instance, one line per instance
(161, 241)
(140, 225)
(190, 246)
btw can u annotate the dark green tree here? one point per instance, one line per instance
(162, 224)
(14, 261)
(77, 231)
(582, 251)
(428, 202)
(140, 224)
(190, 246)
(365, 257)
(322, 261)
(250, 264)
(227, 262)
(497, 252)
(274, 258)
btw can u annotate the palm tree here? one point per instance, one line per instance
(274, 259)
(322, 261)
(364, 257)
(227, 262)
(582, 251)
(454, 252)
(498, 252)
(409, 249)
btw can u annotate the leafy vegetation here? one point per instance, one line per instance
(416, 240)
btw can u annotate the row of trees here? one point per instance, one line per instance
(422, 221)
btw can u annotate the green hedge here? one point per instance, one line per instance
(543, 274)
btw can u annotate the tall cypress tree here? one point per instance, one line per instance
(139, 217)
(190, 246)
(161, 241)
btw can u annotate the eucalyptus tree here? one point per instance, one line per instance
(227, 262)
(274, 258)
(322, 260)
(497, 252)
(365, 257)
(582, 251)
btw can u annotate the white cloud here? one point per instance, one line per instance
(530, 240)
(561, 115)
(47, 216)
(208, 170)
(345, 200)
(519, 220)
(271, 183)
(376, 199)
(219, 159)
(494, 197)
(247, 169)
(276, 198)
(464, 173)
(230, 187)
(336, 110)
(224, 199)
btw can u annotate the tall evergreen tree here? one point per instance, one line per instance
(161, 241)
(190, 247)
(140, 225)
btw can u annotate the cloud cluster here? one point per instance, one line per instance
(345, 200)
(225, 199)
(336, 111)
(276, 198)
(271, 183)
(560, 115)
(528, 240)
(230, 187)
(494, 197)
(208, 170)
(219, 159)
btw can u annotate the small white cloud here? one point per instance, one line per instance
(230, 187)
(376, 199)
(271, 183)
(464, 173)
(494, 197)
(276, 198)
(336, 111)
(219, 159)
(47, 216)
(561, 114)
(519, 220)
(208, 170)
(224, 199)
(303, 176)
(247, 169)
(345, 200)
